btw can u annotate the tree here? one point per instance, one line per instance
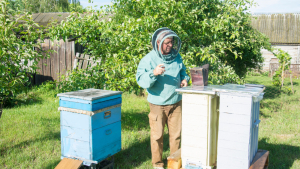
(18, 43)
(43, 6)
(217, 32)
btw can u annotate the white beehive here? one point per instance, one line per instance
(238, 130)
(228, 137)
(199, 128)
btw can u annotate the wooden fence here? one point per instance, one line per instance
(280, 28)
(59, 62)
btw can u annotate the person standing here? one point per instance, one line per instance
(162, 71)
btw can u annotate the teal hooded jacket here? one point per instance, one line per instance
(161, 88)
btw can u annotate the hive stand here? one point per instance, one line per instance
(68, 163)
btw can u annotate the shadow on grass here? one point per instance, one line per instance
(23, 99)
(134, 120)
(137, 153)
(20, 146)
(294, 83)
(281, 156)
(271, 92)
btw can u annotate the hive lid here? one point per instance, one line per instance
(89, 94)
(254, 90)
(196, 89)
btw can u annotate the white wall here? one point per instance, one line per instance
(293, 50)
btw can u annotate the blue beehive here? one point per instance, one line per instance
(90, 123)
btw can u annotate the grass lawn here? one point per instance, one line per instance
(30, 132)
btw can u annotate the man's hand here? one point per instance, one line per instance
(160, 69)
(183, 83)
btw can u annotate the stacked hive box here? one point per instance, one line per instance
(228, 137)
(199, 127)
(238, 130)
(90, 124)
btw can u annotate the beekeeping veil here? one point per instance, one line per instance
(160, 35)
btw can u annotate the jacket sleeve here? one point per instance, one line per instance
(144, 76)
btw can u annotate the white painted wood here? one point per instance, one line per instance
(238, 129)
(198, 142)
(244, 155)
(197, 121)
(235, 108)
(235, 98)
(232, 163)
(193, 129)
(238, 134)
(199, 154)
(242, 146)
(225, 135)
(194, 109)
(194, 98)
(199, 128)
(238, 119)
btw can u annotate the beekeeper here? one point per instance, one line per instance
(161, 71)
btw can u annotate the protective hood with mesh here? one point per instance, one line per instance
(167, 33)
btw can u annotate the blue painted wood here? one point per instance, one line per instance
(107, 151)
(75, 120)
(82, 121)
(75, 133)
(90, 107)
(106, 117)
(89, 101)
(75, 148)
(92, 145)
(90, 138)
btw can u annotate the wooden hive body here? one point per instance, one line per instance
(238, 130)
(90, 124)
(199, 129)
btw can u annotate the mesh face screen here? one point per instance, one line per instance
(160, 36)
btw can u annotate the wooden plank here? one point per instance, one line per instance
(56, 69)
(40, 61)
(75, 65)
(174, 160)
(85, 61)
(68, 56)
(261, 160)
(67, 163)
(80, 62)
(62, 58)
(47, 65)
(73, 53)
(53, 57)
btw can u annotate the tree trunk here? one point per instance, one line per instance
(282, 75)
(0, 109)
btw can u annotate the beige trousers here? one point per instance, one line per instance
(160, 115)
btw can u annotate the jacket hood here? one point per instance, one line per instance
(166, 33)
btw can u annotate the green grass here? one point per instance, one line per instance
(279, 130)
(30, 131)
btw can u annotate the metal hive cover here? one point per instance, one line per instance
(252, 89)
(89, 94)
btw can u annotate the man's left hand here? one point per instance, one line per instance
(183, 83)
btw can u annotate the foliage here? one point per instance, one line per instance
(82, 79)
(212, 31)
(43, 6)
(284, 60)
(18, 57)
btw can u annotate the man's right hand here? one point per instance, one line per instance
(160, 69)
